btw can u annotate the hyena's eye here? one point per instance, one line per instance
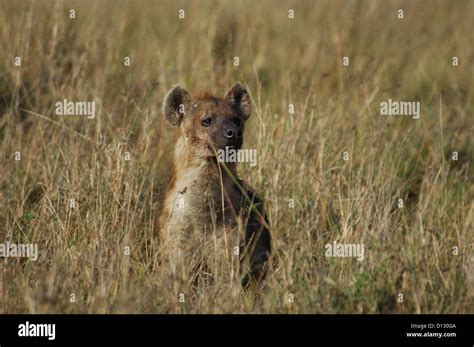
(206, 122)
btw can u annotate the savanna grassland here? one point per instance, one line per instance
(102, 256)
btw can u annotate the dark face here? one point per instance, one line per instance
(207, 123)
(213, 124)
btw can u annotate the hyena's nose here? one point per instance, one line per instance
(232, 134)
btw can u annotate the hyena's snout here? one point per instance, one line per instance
(231, 135)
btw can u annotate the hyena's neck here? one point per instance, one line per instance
(190, 167)
(205, 185)
(201, 188)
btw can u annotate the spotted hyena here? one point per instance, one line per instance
(212, 223)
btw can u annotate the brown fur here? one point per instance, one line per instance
(208, 212)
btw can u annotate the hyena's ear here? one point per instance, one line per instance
(177, 104)
(239, 96)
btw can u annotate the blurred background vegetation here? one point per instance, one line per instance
(82, 265)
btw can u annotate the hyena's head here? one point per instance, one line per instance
(208, 123)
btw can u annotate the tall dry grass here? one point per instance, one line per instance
(409, 250)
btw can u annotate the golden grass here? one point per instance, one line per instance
(282, 61)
